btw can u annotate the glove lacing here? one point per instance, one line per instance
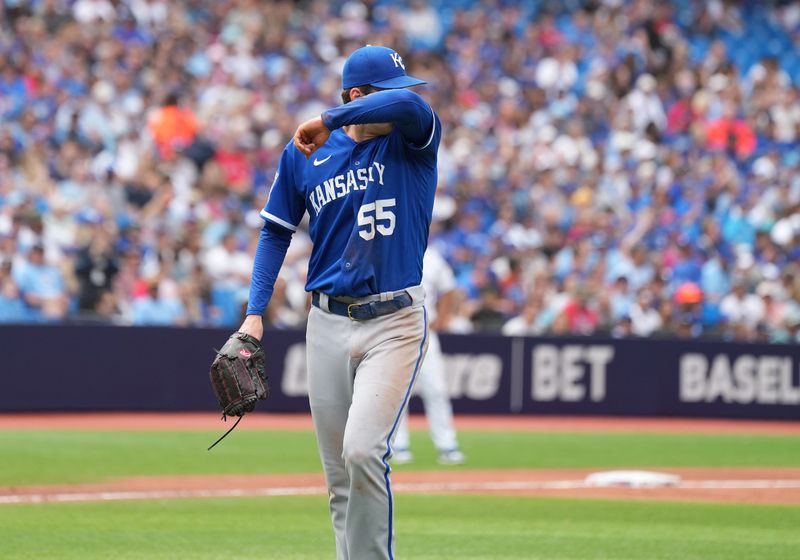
(225, 419)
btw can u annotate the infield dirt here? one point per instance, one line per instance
(745, 485)
(203, 421)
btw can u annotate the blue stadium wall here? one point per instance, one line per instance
(82, 368)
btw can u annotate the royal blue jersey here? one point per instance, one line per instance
(369, 202)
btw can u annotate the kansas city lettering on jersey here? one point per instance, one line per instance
(344, 183)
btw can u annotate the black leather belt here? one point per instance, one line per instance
(365, 311)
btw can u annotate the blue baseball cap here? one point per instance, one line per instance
(380, 67)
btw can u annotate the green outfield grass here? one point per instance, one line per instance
(72, 456)
(429, 527)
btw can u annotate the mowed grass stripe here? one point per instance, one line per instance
(428, 528)
(71, 457)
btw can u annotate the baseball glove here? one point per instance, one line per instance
(238, 377)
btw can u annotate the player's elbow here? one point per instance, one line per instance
(414, 116)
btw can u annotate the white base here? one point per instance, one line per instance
(632, 479)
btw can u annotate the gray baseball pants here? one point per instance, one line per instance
(360, 375)
(431, 386)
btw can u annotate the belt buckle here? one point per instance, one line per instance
(349, 314)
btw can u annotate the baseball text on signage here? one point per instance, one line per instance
(745, 379)
(570, 373)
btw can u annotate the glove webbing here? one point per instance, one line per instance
(225, 418)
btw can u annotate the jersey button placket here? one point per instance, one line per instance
(355, 155)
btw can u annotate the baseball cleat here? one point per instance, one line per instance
(452, 457)
(402, 457)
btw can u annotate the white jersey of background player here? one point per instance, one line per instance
(440, 286)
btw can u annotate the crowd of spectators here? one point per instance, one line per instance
(609, 166)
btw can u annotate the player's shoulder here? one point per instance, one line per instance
(289, 152)
(428, 147)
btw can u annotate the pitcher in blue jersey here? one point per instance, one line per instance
(366, 174)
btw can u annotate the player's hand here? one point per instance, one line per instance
(253, 326)
(310, 136)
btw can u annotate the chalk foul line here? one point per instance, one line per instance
(415, 487)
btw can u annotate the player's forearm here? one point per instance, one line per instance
(272, 246)
(445, 309)
(412, 116)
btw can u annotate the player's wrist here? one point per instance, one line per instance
(253, 325)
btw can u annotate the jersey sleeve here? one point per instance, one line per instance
(431, 144)
(413, 117)
(270, 254)
(285, 205)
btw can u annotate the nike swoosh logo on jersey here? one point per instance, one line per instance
(318, 162)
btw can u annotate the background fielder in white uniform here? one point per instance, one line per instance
(440, 287)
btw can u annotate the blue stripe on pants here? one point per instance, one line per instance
(397, 420)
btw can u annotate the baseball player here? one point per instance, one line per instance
(440, 287)
(365, 172)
